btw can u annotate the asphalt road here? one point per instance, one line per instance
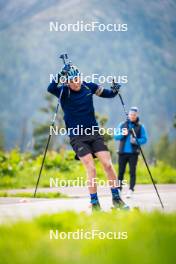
(145, 198)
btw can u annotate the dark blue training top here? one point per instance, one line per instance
(78, 105)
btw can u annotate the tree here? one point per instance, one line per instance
(166, 150)
(2, 141)
(102, 120)
(172, 153)
(174, 122)
(41, 130)
(162, 148)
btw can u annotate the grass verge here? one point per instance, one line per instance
(50, 195)
(151, 239)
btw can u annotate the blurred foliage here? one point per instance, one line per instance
(174, 122)
(151, 237)
(41, 130)
(145, 53)
(2, 140)
(20, 170)
(164, 149)
(109, 139)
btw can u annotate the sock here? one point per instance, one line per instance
(115, 193)
(94, 198)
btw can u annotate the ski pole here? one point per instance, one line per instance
(141, 151)
(47, 144)
(64, 58)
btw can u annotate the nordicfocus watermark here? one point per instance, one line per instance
(81, 26)
(80, 130)
(95, 77)
(82, 182)
(81, 234)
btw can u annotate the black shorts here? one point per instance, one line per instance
(83, 145)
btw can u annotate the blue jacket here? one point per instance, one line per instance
(78, 105)
(128, 147)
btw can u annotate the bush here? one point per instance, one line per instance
(20, 170)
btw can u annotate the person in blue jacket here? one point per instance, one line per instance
(77, 105)
(129, 148)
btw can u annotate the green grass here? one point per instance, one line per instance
(21, 170)
(50, 195)
(151, 239)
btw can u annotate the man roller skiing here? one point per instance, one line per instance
(77, 105)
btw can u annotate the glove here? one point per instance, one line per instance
(66, 69)
(133, 140)
(115, 87)
(60, 75)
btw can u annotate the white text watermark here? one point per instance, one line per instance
(95, 78)
(81, 182)
(81, 234)
(81, 26)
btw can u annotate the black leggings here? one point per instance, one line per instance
(132, 160)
